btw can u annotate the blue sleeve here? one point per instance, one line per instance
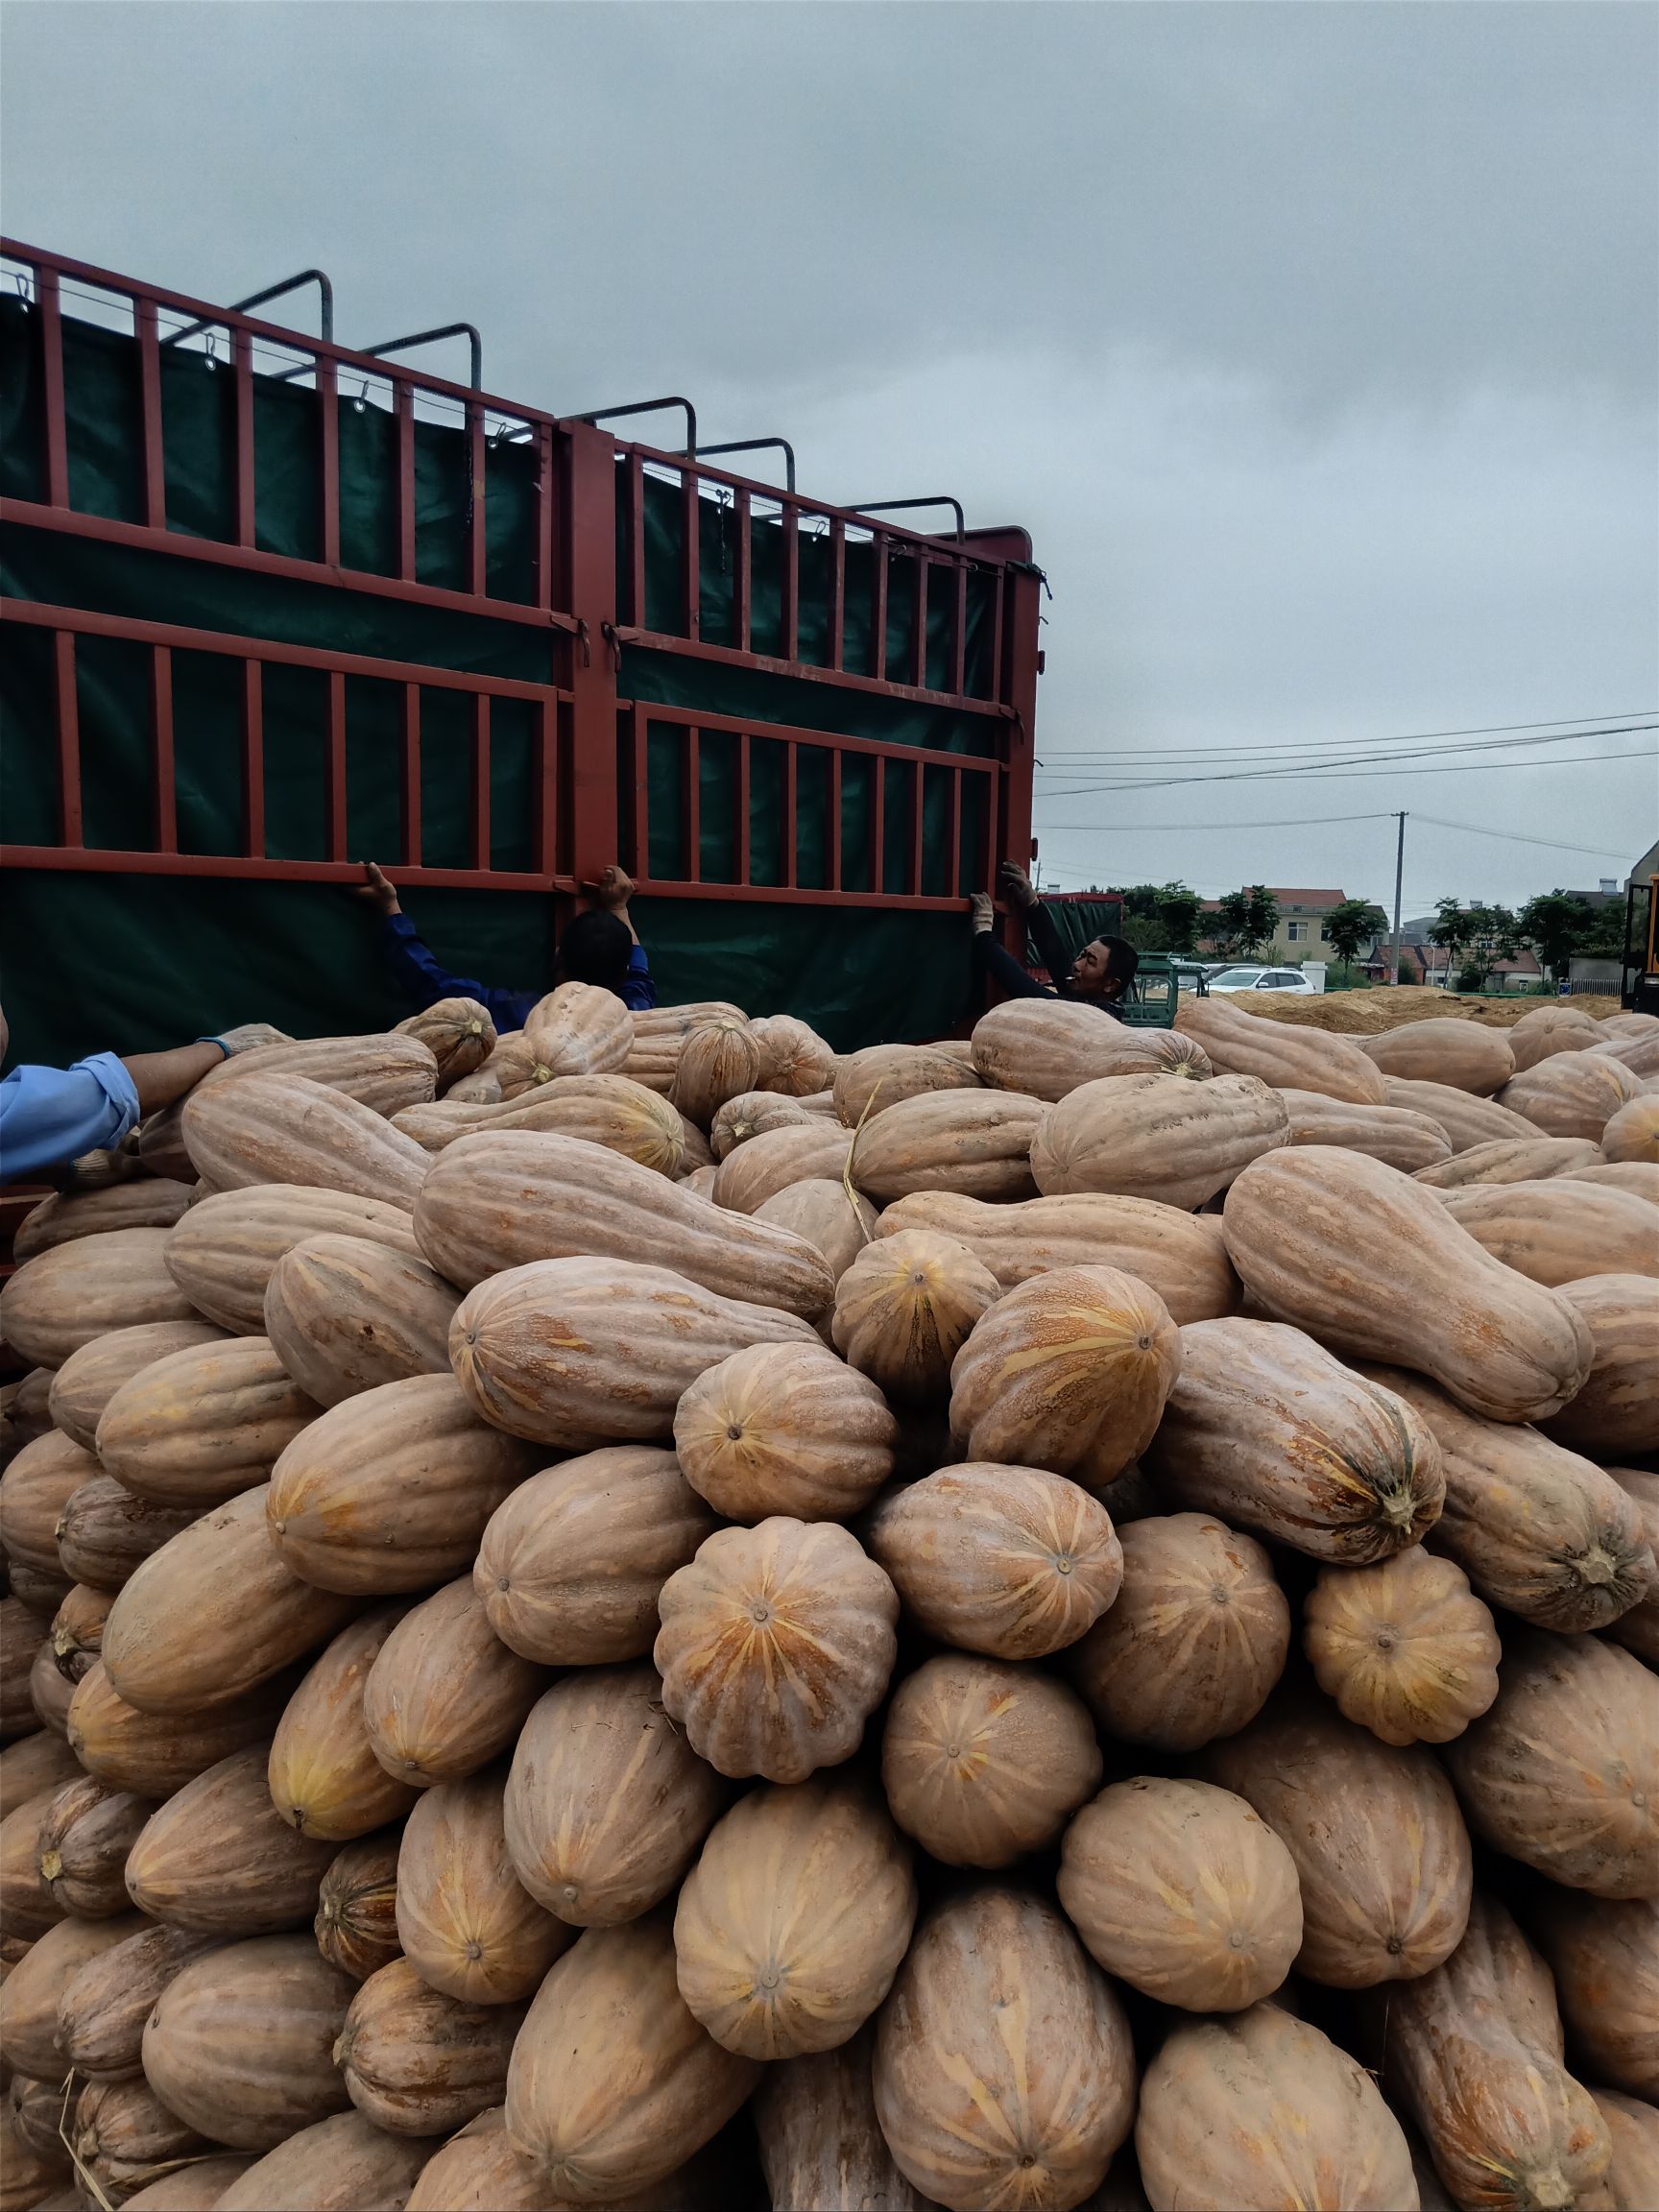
(50, 1115)
(638, 985)
(426, 980)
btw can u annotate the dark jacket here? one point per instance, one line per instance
(1016, 979)
(427, 980)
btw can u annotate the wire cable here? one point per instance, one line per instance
(1334, 773)
(1404, 738)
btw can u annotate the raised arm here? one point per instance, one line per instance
(613, 892)
(418, 970)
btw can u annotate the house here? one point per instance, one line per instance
(1301, 931)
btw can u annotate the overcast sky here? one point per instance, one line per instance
(1315, 344)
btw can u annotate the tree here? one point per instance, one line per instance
(1449, 929)
(1162, 917)
(1556, 924)
(1245, 920)
(1351, 924)
(1491, 934)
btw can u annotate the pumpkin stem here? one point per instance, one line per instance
(1552, 2191)
(1597, 1565)
(1399, 1508)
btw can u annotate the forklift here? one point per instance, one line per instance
(1639, 980)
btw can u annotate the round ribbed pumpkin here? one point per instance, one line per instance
(807, 1150)
(1604, 1956)
(70, 1293)
(324, 1777)
(798, 1062)
(390, 1490)
(1071, 1371)
(1546, 1030)
(1404, 1647)
(613, 2083)
(1267, 1426)
(445, 1695)
(776, 1644)
(877, 1079)
(718, 1059)
(1379, 1846)
(1011, 1561)
(344, 1314)
(607, 1803)
(976, 1143)
(1047, 1046)
(785, 1429)
(1557, 1231)
(104, 1532)
(222, 1252)
(1196, 1639)
(1571, 1094)
(1157, 1136)
(124, 2135)
(1563, 1772)
(219, 1858)
(342, 2161)
(791, 1925)
(753, 1113)
(105, 2001)
(356, 1923)
(1262, 2110)
(570, 1565)
(417, 2063)
(1504, 1347)
(1614, 1414)
(1632, 1134)
(1461, 1054)
(467, 1924)
(903, 1310)
(83, 1846)
(1183, 1891)
(821, 1210)
(458, 1033)
(1004, 2074)
(152, 1754)
(580, 1029)
(88, 1378)
(201, 1424)
(983, 1762)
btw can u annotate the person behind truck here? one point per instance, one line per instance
(1102, 975)
(601, 946)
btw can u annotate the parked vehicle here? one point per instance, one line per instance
(1309, 980)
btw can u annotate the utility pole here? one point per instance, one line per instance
(1399, 879)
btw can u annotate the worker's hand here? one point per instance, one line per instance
(984, 913)
(382, 894)
(614, 889)
(248, 1037)
(1017, 884)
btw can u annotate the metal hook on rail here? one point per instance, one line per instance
(650, 407)
(891, 506)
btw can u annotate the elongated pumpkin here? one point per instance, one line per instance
(1638, 1177)
(419, 2062)
(1530, 1159)
(1155, 1137)
(323, 1775)
(342, 2161)
(1638, 1629)
(1266, 1425)
(1182, 1891)
(1465, 1055)
(392, 1489)
(223, 1253)
(579, 1353)
(478, 2171)
(1466, 1120)
(821, 1210)
(1604, 1956)
(344, 1314)
(881, 1076)
(1047, 1046)
(445, 1695)
(610, 1110)
(1282, 1053)
(903, 1310)
(468, 1925)
(205, 1424)
(157, 1753)
(220, 1859)
(606, 1804)
(978, 1143)
(776, 1646)
(106, 1532)
(70, 1293)
(30, 1993)
(1391, 1134)
(1427, 1298)
(1557, 1231)
(820, 2140)
(1380, 1850)
(791, 1925)
(1404, 1647)
(287, 1129)
(34, 1493)
(1003, 2069)
(384, 1071)
(785, 1429)
(145, 1202)
(770, 1161)
(984, 1762)
(105, 2001)
(1615, 1413)
(1571, 1094)
(88, 1378)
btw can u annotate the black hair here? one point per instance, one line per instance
(1124, 962)
(595, 948)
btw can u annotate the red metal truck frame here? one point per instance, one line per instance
(591, 736)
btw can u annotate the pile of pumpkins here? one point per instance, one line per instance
(644, 1614)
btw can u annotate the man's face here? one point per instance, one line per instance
(1091, 970)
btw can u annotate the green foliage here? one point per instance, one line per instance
(1162, 917)
(1556, 924)
(1353, 924)
(1244, 922)
(1486, 934)
(1409, 972)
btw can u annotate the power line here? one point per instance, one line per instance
(1514, 837)
(1149, 829)
(1405, 737)
(1340, 759)
(1342, 773)
(1129, 763)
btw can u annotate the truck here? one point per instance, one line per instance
(276, 606)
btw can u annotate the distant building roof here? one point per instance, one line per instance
(1291, 902)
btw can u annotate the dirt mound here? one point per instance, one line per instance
(1364, 1013)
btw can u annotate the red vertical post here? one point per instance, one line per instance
(161, 748)
(919, 654)
(253, 760)
(744, 593)
(52, 388)
(745, 855)
(959, 632)
(411, 773)
(838, 593)
(545, 768)
(835, 759)
(547, 583)
(247, 512)
(917, 793)
(790, 832)
(68, 703)
(328, 459)
(1022, 591)
(478, 534)
(789, 522)
(588, 525)
(150, 409)
(879, 825)
(635, 467)
(640, 810)
(403, 413)
(880, 547)
(953, 873)
(690, 555)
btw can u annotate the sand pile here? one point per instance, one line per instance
(1363, 1013)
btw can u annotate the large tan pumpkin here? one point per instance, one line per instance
(877, 1079)
(1288, 1054)
(1463, 1055)
(71, 1293)
(903, 1310)
(147, 1202)
(204, 1424)
(609, 1110)
(1180, 1255)
(1004, 2074)
(983, 1762)
(798, 1062)
(223, 1253)
(513, 1069)
(1638, 1177)
(392, 1489)
(419, 2062)
(213, 1614)
(477, 2170)
(106, 1532)
(1266, 1425)
(1012, 1561)
(785, 1429)
(155, 1753)
(977, 1144)
(1571, 1094)
(1183, 1891)
(718, 1059)
(1391, 1134)
(444, 1695)
(88, 1378)
(580, 1029)
(220, 1860)
(356, 1923)
(1545, 1030)
(1196, 1640)
(467, 1924)
(791, 1925)
(30, 1992)
(1557, 1231)
(1632, 1134)
(105, 2001)
(1157, 1136)
(1426, 1296)
(1604, 1956)
(1632, 2126)
(324, 1774)
(27, 1904)
(1473, 2053)
(613, 2084)
(1616, 1413)
(1404, 1647)
(344, 1314)
(1380, 1850)
(383, 1071)
(498, 1202)
(33, 1492)
(1535, 1528)
(606, 1804)
(820, 2140)
(754, 1114)
(776, 1644)
(821, 1210)
(1069, 1371)
(287, 1129)
(1466, 1120)
(459, 1033)
(240, 2044)
(124, 2135)
(809, 1150)
(335, 2164)
(83, 1846)
(578, 1352)
(1047, 1046)
(1638, 1629)
(1261, 2111)
(1511, 1159)
(1563, 1772)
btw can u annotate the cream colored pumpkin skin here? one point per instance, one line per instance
(1462, 1054)
(1280, 1052)
(88, 1378)
(1400, 1138)
(256, 1128)
(204, 1423)
(1404, 1647)
(820, 1209)
(976, 1143)
(70, 1295)
(344, 1314)
(780, 1429)
(445, 1695)
(222, 1252)
(903, 1310)
(1046, 1047)
(770, 1161)
(871, 1082)
(1614, 1414)
(1154, 1137)
(465, 1923)
(1528, 1159)
(1571, 1094)
(1557, 1231)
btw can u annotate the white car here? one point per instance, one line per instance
(1308, 983)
